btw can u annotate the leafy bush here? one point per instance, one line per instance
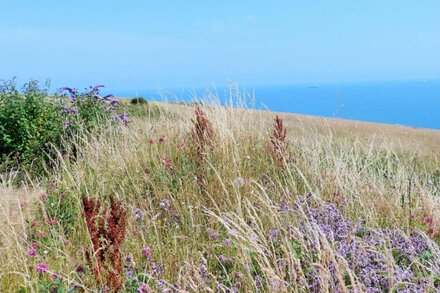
(87, 111)
(34, 123)
(30, 121)
(138, 101)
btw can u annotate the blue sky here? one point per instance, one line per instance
(151, 44)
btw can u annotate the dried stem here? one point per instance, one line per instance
(107, 232)
(203, 139)
(203, 132)
(277, 144)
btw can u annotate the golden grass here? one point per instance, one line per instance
(364, 168)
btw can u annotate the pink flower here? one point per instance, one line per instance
(162, 138)
(151, 141)
(43, 196)
(428, 220)
(42, 268)
(144, 288)
(34, 245)
(31, 252)
(52, 222)
(146, 251)
(167, 163)
(55, 275)
(40, 234)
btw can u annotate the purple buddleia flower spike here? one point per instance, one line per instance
(123, 118)
(97, 87)
(72, 91)
(65, 110)
(113, 101)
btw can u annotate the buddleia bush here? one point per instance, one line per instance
(30, 121)
(34, 124)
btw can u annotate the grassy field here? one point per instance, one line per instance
(217, 199)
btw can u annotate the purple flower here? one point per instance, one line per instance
(146, 251)
(114, 102)
(225, 259)
(164, 204)
(67, 123)
(80, 270)
(96, 87)
(32, 252)
(274, 234)
(56, 275)
(204, 273)
(123, 118)
(65, 110)
(227, 242)
(138, 214)
(72, 91)
(42, 268)
(144, 288)
(212, 234)
(129, 274)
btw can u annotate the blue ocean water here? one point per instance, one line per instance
(411, 103)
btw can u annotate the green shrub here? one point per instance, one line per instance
(33, 123)
(30, 121)
(138, 101)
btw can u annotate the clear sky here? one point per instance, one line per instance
(150, 44)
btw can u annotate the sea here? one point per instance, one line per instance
(413, 103)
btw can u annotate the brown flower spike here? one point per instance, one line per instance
(107, 232)
(277, 144)
(203, 138)
(202, 133)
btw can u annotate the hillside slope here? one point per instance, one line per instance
(217, 199)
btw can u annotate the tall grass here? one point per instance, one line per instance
(334, 216)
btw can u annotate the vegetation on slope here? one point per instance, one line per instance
(210, 198)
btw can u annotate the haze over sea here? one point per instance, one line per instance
(412, 103)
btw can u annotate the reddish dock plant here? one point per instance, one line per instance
(203, 137)
(277, 142)
(203, 132)
(107, 230)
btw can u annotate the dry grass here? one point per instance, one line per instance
(14, 203)
(400, 138)
(221, 234)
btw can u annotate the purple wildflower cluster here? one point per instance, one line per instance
(108, 103)
(382, 260)
(146, 272)
(168, 216)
